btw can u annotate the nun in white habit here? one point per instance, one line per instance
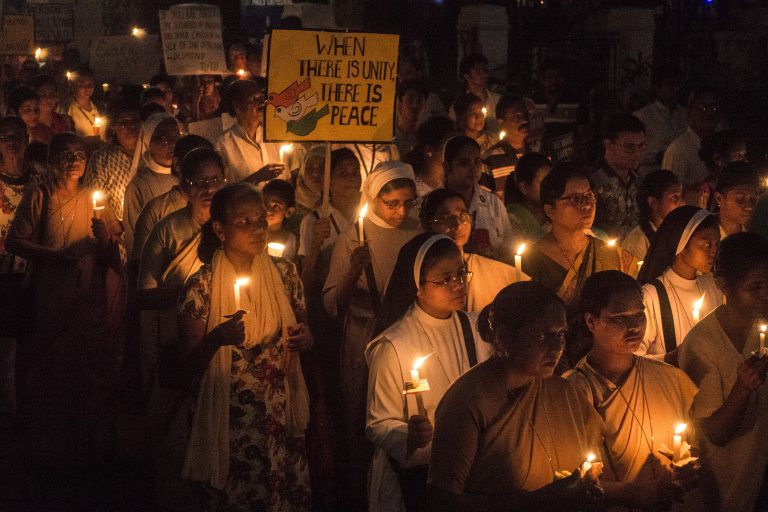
(420, 318)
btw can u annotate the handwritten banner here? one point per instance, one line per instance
(331, 86)
(117, 59)
(17, 36)
(192, 42)
(54, 23)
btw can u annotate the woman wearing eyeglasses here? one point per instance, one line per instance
(421, 316)
(353, 292)
(154, 151)
(640, 400)
(565, 257)
(73, 354)
(443, 211)
(507, 429)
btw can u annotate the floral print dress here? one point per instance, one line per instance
(268, 470)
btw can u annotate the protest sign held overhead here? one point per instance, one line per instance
(16, 37)
(54, 23)
(331, 86)
(125, 58)
(192, 42)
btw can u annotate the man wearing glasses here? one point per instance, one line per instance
(615, 179)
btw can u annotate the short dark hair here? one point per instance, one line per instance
(20, 95)
(431, 202)
(195, 159)
(620, 123)
(152, 93)
(14, 123)
(526, 170)
(655, 184)
(455, 145)
(150, 109)
(736, 254)
(554, 184)
(281, 189)
(737, 174)
(464, 102)
(189, 143)
(720, 143)
(469, 62)
(343, 155)
(239, 90)
(60, 142)
(603, 286)
(505, 102)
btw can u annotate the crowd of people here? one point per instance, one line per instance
(472, 320)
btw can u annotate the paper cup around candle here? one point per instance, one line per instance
(275, 249)
(96, 199)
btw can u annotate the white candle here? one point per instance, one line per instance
(502, 134)
(97, 122)
(38, 54)
(360, 219)
(416, 381)
(485, 111)
(639, 265)
(241, 73)
(519, 263)
(240, 281)
(677, 441)
(275, 249)
(285, 149)
(69, 75)
(137, 32)
(763, 328)
(97, 208)
(697, 309)
(587, 464)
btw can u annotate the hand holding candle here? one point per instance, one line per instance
(586, 466)
(239, 282)
(284, 150)
(98, 206)
(677, 442)
(418, 385)
(360, 223)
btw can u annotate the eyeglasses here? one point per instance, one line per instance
(626, 321)
(631, 148)
(579, 200)
(72, 156)
(462, 277)
(452, 220)
(396, 204)
(206, 183)
(553, 338)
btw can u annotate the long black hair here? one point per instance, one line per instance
(401, 290)
(222, 204)
(661, 253)
(526, 170)
(655, 185)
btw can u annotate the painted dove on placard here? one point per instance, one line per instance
(288, 95)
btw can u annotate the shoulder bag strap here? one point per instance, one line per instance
(469, 338)
(667, 320)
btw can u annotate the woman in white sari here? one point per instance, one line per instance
(246, 445)
(719, 355)
(421, 316)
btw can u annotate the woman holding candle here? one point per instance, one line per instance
(640, 400)
(246, 446)
(443, 211)
(718, 354)
(82, 110)
(565, 257)
(353, 291)
(73, 357)
(675, 277)
(470, 120)
(421, 315)
(659, 193)
(508, 426)
(523, 199)
(280, 201)
(45, 87)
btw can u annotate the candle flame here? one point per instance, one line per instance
(137, 32)
(242, 281)
(591, 457)
(97, 121)
(420, 361)
(612, 242)
(38, 53)
(520, 249)
(485, 111)
(502, 134)
(105, 86)
(145, 86)
(285, 148)
(277, 246)
(698, 303)
(96, 197)
(241, 73)
(69, 75)
(363, 211)
(639, 263)
(763, 328)
(680, 428)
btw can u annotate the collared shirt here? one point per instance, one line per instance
(492, 230)
(244, 155)
(662, 126)
(682, 158)
(617, 211)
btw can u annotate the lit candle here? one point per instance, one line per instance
(519, 263)
(69, 75)
(241, 73)
(275, 249)
(502, 134)
(38, 54)
(105, 87)
(145, 86)
(137, 32)
(360, 218)
(677, 442)
(639, 265)
(697, 309)
(587, 464)
(239, 282)
(763, 328)
(285, 149)
(97, 208)
(97, 121)
(485, 111)
(612, 242)
(416, 382)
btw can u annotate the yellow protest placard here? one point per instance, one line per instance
(331, 86)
